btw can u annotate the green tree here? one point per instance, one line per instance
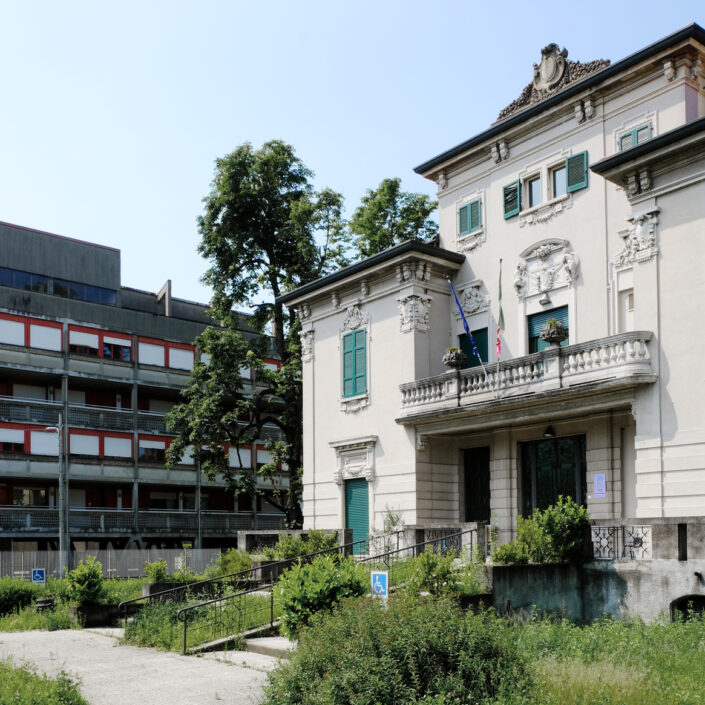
(389, 216)
(264, 231)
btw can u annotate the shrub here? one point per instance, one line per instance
(21, 686)
(232, 561)
(28, 619)
(319, 585)
(290, 546)
(156, 625)
(157, 571)
(413, 650)
(16, 593)
(86, 582)
(555, 535)
(433, 572)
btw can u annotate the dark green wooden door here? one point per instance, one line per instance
(357, 511)
(477, 484)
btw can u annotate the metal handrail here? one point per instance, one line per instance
(182, 614)
(345, 549)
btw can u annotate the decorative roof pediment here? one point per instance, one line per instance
(554, 72)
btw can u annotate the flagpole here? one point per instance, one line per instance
(469, 334)
(500, 326)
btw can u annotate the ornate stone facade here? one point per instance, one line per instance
(355, 458)
(414, 311)
(553, 73)
(472, 301)
(547, 265)
(639, 239)
(306, 345)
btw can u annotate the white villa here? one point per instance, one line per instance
(590, 191)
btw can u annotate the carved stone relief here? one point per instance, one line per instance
(468, 243)
(546, 212)
(306, 345)
(638, 182)
(472, 301)
(335, 299)
(355, 458)
(669, 70)
(414, 270)
(548, 265)
(354, 318)
(414, 312)
(639, 239)
(305, 311)
(442, 181)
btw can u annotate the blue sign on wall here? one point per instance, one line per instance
(379, 580)
(39, 575)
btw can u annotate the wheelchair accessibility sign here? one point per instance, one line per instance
(39, 575)
(379, 580)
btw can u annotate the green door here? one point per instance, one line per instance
(477, 484)
(357, 512)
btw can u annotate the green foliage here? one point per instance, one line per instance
(555, 535)
(118, 590)
(20, 685)
(16, 593)
(412, 650)
(233, 561)
(86, 582)
(292, 546)
(308, 588)
(433, 572)
(388, 216)
(157, 571)
(156, 625)
(29, 619)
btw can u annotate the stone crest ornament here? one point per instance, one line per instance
(545, 266)
(639, 239)
(472, 301)
(554, 72)
(355, 458)
(306, 337)
(549, 73)
(354, 318)
(414, 311)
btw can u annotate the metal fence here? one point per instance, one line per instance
(116, 564)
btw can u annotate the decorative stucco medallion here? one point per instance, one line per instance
(547, 265)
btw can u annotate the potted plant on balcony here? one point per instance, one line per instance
(454, 358)
(553, 332)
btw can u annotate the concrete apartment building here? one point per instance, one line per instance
(590, 189)
(102, 364)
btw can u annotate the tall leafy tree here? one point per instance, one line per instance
(264, 231)
(388, 216)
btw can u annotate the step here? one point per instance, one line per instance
(278, 646)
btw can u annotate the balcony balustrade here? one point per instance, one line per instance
(625, 356)
(38, 520)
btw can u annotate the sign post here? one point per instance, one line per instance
(39, 576)
(379, 582)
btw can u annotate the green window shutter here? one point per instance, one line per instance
(512, 198)
(625, 141)
(643, 134)
(475, 215)
(357, 512)
(354, 363)
(576, 168)
(536, 323)
(480, 337)
(464, 220)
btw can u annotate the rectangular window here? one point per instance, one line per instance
(150, 354)
(470, 217)
(11, 332)
(634, 137)
(11, 440)
(354, 363)
(533, 190)
(115, 447)
(537, 322)
(511, 196)
(45, 337)
(83, 444)
(480, 337)
(29, 496)
(558, 182)
(83, 343)
(152, 451)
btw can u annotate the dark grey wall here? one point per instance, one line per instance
(55, 256)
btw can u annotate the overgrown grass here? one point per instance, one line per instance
(157, 626)
(21, 686)
(28, 619)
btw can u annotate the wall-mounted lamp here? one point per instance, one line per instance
(545, 300)
(549, 432)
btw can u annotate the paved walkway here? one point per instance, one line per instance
(110, 673)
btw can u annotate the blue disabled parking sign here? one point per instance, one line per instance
(379, 580)
(39, 575)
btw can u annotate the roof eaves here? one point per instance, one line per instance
(691, 30)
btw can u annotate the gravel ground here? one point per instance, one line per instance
(109, 673)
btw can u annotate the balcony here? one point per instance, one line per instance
(616, 361)
(23, 521)
(18, 410)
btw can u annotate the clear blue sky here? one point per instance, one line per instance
(113, 113)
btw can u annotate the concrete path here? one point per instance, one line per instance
(110, 673)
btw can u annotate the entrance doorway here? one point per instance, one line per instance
(476, 462)
(357, 511)
(552, 467)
